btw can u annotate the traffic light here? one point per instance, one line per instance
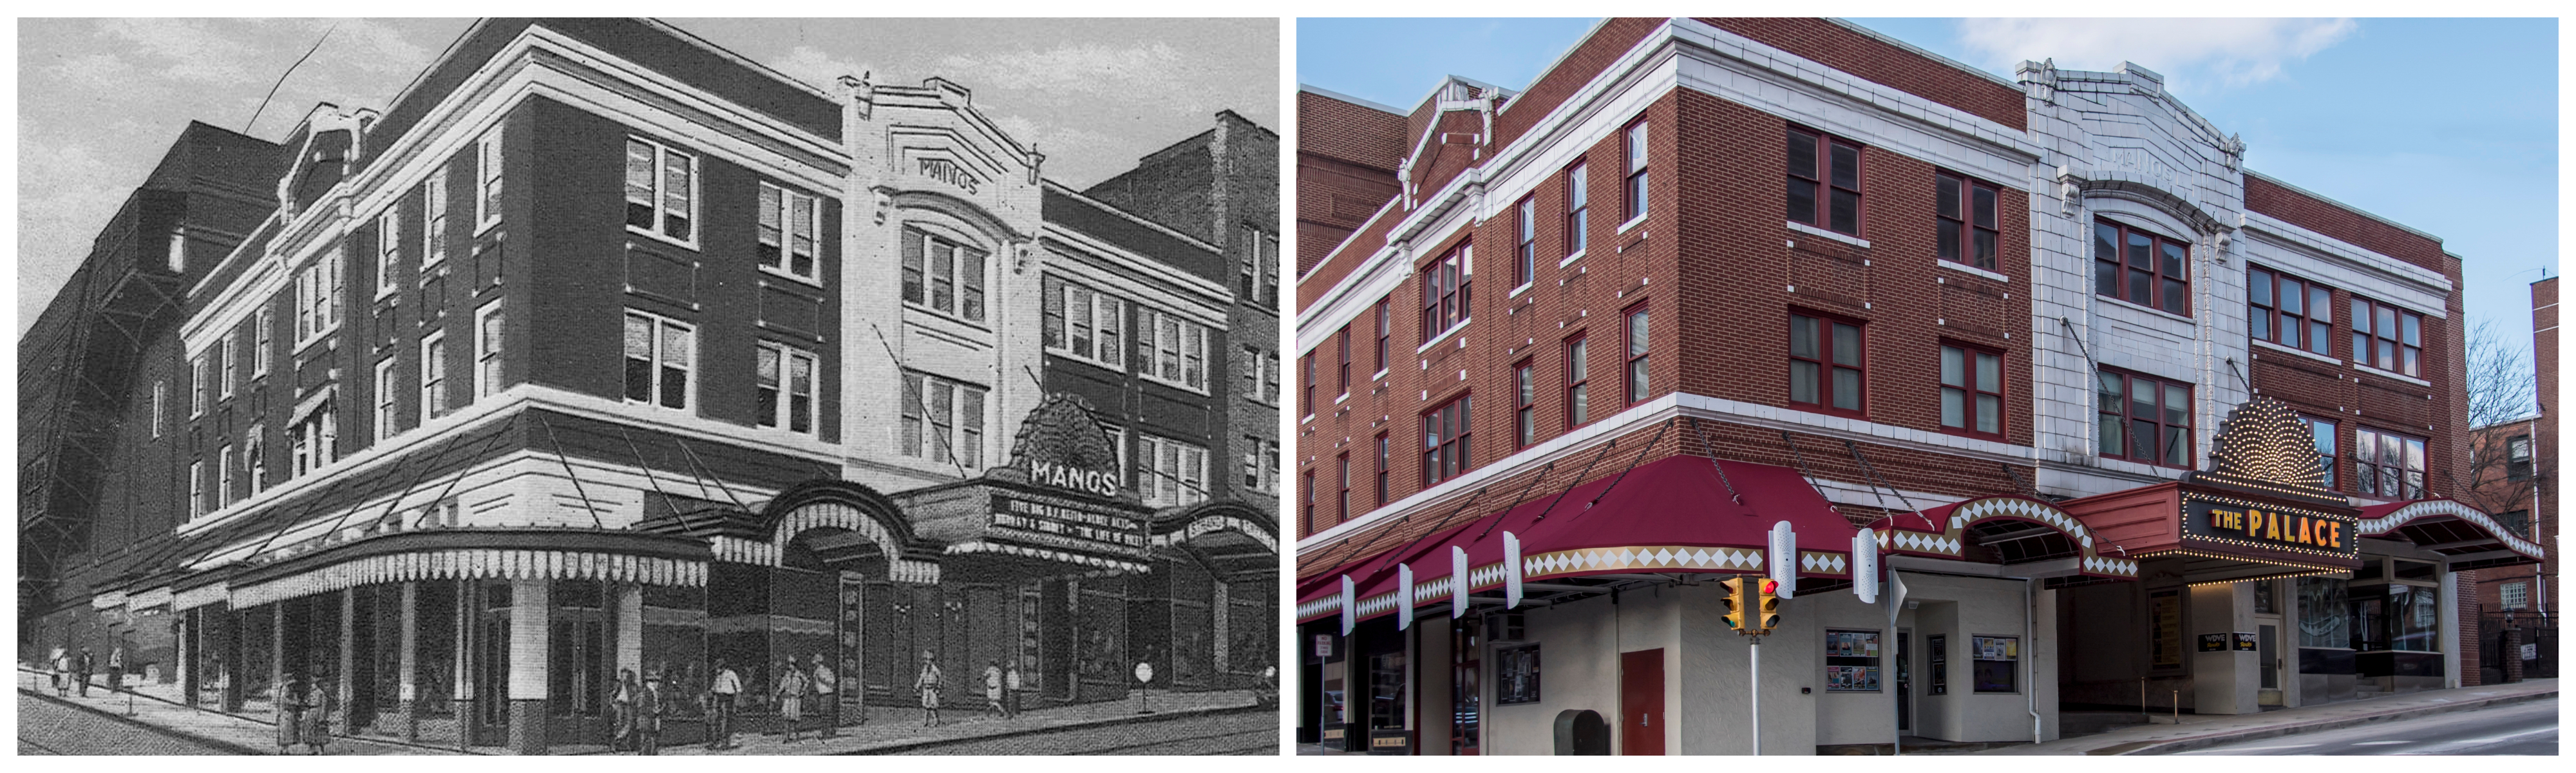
(1767, 606)
(1739, 603)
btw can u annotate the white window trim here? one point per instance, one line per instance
(435, 204)
(1569, 259)
(482, 360)
(1516, 291)
(432, 409)
(254, 460)
(200, 391)
(2149, 309)
(196, 489)
(1622, 230)
(1148, 318)
(386, 404)
(488, 147)
(263, 325)
(1834, 235)
(785, 415)
(223, 477)
(1127, 338)
(1444, 335)
(932, 443)
(328, 263)
(2398, 376)
(230, 368)
(697, 184)
(957, 307)
(689, 402)
(2262, 344)
(787, 238)
(1182, 495)
(160, 404)
(388, 251)
(1958, 266)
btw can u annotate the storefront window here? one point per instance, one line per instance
(1516, 674)
(2323, 614)
(1998, 663)
(2414, 617)
(2263, 603)
(1940, 661)
(1386, 691)
(1851, 661)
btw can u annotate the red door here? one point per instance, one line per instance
(1641, 702)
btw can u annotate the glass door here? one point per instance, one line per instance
(1904, 680)
(1467, 645)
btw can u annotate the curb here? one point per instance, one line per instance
(1158, 716)
(228, 746)
(2214, 739)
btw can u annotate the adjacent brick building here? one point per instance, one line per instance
(1797, 250)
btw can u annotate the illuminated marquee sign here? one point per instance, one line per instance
(1046, 473)
(1066, 523)
(2251, 524)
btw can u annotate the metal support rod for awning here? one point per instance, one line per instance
(1711, 452)
(1632, 465)
(1872, 472)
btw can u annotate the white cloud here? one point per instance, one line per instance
(1091, 68)
(2229, 52)
(818, 69)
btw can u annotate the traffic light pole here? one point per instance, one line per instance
(1757, 693)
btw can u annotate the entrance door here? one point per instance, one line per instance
(1641, 702)
(1466, 637)
(1904, 679)
(491, 665)
(581, 671)
(2268, 649)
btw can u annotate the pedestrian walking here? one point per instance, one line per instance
(1011, 687)
(723, 695)
(82, 667)
(116, 669)
(791, 697)
(62, 665)
(993, 690)
(321, 701)
(289, 707)
(928, 684)
(648, 717)
(621, 706)
(827, 702)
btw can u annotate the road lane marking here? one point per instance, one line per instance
(2243, 749)
(2376, 743)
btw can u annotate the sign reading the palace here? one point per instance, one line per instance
(949, 172)
(2244, 522)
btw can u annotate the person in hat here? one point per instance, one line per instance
(648, 716)
(83, 666)
(622, 708)
(321, 700)
(722, 696)
(790, 693)
(928, 684)
(1011, 689)
(116, 668)
(993, 690)
(827, 703)
(290, 715)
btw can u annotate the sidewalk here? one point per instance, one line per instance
(897, 730)
(2198, 731)
(156, 705)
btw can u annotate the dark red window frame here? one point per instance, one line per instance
(2387, 337)
(1968, 219)
(1446, 437)
(2372, 468)
(1448, 291)
(1525, 257)
(1344, 508)
(1971, 388)
(2289, 311)
(1309, 490)
(1825, 174)
(1524, 404)
(2171, 444)
(1385, 327)
(1578, 380)
(1824, 355)
(1309, 389)
(1639, 332)
(2326, 457)
(1632, 141)
(1342, 347)
(1578, 204)
(1385, 461)
(2126, 267)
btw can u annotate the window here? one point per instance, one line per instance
(1824, 182)
(1972, 390)
(1251, 265)
(255, 460)
(1996, 663)
(2514, 595)
(263, 332)
(2141, 268)
(388, 251)
(1524, 405)
(1342, 343)
(2145, 419)
(1270, 377)
(2516, 521)
(1636, 173)
(1525, 256)
(1578, 378)
(1385, 466)
(1308, 490)
(1637, 355)
(2387, 464)
(1175, 350)
(944, 275)
(433, 230)
(1310, 383)
(317, 299)
(2517, 457)
(783, 388)
(1826, 364)
(789, 229)
(1852, 661)
(943, 420)
(2324, 432)
(1083, 323)
(1577, 201)
(487, 173)
(223, 476)
(488, 324)
(2387, 337)
(1260, 465)
(1171, 473)
(196, 489)
(160, 401)
(1445, 291)
(661, 191)
(1385, 328)
(232, 363)
(316, 438)
(433, 377)
(200, 382)
(2288, 311)
(387, 418)
(659, 358)
(1965, 215)
(1444, 441)
(1342, 512)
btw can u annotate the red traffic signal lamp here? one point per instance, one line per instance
(1739, 600)
(1766, 607)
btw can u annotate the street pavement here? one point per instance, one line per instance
(2284, 727)
(2518, 728)
(1244, 732)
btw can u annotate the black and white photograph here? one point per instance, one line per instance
(634, 386)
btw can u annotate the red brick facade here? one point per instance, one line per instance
(1346, 160)
(2335, 220)
(1878, 61)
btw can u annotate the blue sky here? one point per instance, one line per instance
(2449, 126)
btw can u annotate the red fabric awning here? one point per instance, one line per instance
(1666, 516)
(1943, 532)
(2446, 521)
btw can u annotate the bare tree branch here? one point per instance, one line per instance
(2502, 399)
